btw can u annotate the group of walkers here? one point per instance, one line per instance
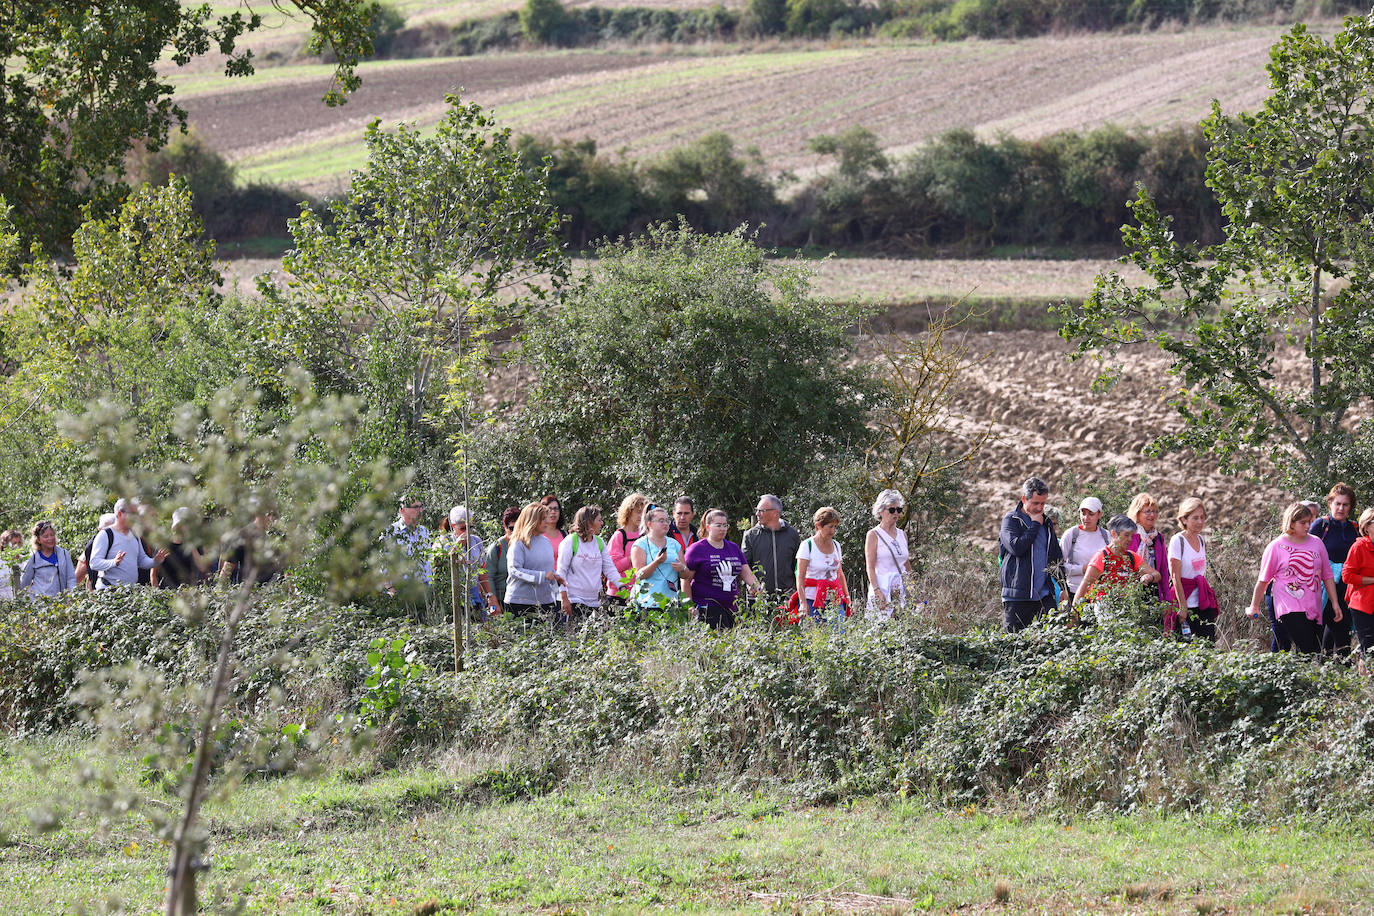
(117, 556)
(1315, 581)
(543, 570)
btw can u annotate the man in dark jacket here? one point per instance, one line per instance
(1027, 549)
(771, 548)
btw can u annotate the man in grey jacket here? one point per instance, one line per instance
(771, 546)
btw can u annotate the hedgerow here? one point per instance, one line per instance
(1101, 719)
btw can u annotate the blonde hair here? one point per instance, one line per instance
(528, 524)
(631, 504)
(825, 515)
(1188, 507)
(1141, 501)
(706, 520)
(1296, 512)
(1366, 517)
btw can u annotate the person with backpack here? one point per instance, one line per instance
(1297, 565)
(584, 562)
(498, 554)
(117, 553)
(1194, 611)
(886, 557)
(84, 574)
(48, 570)
(1358, 573)
(1115, 565)
(1339, 534)
(465, 546)
(628, 519)
(1083, 542)
(555, 529)
(1027, 550)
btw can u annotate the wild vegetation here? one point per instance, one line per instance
(684, 359)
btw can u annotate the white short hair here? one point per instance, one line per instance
(457, 515)
(885, 499)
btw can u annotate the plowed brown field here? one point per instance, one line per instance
(275, 128)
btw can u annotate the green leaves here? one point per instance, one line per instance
(81, 86)
(442, 241)
(1295, 184)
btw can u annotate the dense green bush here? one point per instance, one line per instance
(1105, 719)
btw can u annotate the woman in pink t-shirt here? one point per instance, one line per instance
(1297, 564)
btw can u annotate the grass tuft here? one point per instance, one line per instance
(1001, 891)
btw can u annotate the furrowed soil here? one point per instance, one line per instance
(644, 103)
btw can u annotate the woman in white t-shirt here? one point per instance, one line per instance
(886, 557)
(1196, 603)
(820, 573)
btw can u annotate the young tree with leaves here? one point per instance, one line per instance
(442, 241)
(1296, 185)
(248, 455)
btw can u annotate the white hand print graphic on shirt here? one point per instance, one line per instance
(726, 573)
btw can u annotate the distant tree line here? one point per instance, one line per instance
(960, 192)
(550, 23)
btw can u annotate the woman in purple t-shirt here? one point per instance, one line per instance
(1297, 564)
(714, 568)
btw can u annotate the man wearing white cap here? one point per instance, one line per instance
(117, 554)
(1082, 542)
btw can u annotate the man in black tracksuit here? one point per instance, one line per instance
(1027, 548)
(771, 546)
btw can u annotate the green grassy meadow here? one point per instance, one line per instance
(424, 839)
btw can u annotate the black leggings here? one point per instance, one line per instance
(1364, 628)
(1335, 633)
(1203, 622)
(1306, 634)
(1017, 615)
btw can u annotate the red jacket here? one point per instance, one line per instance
(1359, 562)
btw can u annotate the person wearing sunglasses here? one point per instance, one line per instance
(466, 547)
(498, 554)
(887, 557)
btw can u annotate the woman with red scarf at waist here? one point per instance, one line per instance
(820, 575)
(1195, 609)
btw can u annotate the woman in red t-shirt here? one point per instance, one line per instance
(1115, 564)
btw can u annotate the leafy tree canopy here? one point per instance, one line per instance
(79, 84)
(684, 363)
(1296, 186)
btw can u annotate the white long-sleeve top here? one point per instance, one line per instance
(586, 572)
(104, 551)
